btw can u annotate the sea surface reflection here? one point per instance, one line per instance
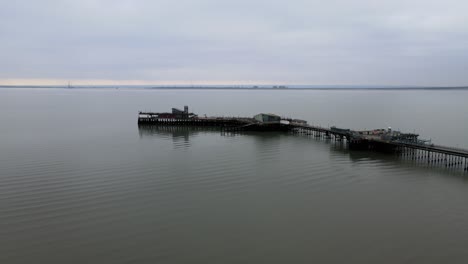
(87, 185)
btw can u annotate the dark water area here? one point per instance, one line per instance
(80, 182)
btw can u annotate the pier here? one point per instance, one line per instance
(406, 145)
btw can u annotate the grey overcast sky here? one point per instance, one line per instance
(363, 42)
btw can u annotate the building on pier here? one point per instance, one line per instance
(390, 135)
(175, 114)
(267, 118)
(179, 114)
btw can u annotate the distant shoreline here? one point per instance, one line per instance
(331, 88)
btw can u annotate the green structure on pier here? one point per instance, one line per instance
(267, 118)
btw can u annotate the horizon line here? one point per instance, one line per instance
(35, 82)
(241, 87)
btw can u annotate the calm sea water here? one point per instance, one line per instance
(81, 183)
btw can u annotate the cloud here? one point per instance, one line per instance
(314, 42)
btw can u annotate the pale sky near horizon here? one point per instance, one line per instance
(365, 42)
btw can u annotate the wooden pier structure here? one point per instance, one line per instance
(406, 145)
(411, 148)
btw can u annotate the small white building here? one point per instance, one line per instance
(299, 121)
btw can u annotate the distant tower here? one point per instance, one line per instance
(186, 109)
